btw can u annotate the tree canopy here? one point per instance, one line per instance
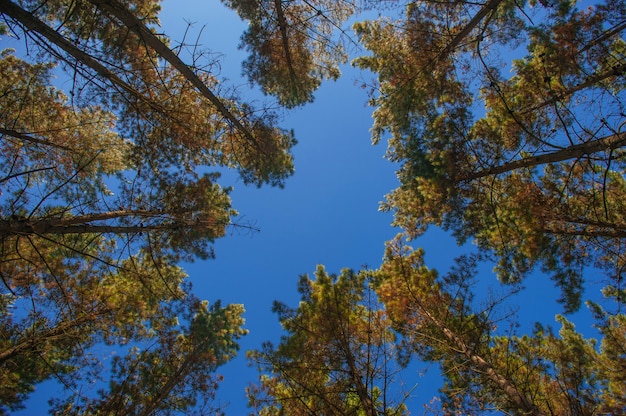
(505, 120)
(292, 44)
(338, 357)
(104, 190)
(522, 152)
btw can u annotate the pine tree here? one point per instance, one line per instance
(529, 164)
(293, 46)
(104, 189)
(486, 369)
(337, 357)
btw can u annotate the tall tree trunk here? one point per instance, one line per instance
(133, 23)
(482, 366)
(282, 24)
(468, 28)
(33, 23)
(343, 337)
(84, 224)
(178, 377)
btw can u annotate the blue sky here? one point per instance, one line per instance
(326, 214)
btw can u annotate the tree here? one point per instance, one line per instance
(175, 373)
(530, 165)
(157, 153)
(165, 107)
(337, 357)
(72, 307)
(106, 187)
(537, 374)
(104, 190)
(292, 44)
(62, 306)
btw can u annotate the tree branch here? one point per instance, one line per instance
(468, 28)
(282, 24)
(613, 141)
(29, 138)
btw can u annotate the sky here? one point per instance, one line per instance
(326, 214)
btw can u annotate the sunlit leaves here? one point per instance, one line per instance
(336, 357)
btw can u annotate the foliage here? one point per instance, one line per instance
(529, 164)
(167, 109)
(175, 373)
(66, 307)
(538, 374)
(506, 120)
(336, 357)
(339, 354)
(103, 191)
(292, 46)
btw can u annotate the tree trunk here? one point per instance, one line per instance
(282, 24)
(178, 377)
(482, 366)
(468, 28)
(344, 341)
(83, 224)
(31, 22)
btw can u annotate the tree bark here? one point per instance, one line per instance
(468, 28)
(84, 224)
(282, 24)
(482, 366)
(133, 23)
(31, 139)
(344, 341)
(178, 377)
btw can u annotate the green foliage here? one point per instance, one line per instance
(103, 191)
(540, 374)
(506, 120)
(529, 164)
(175, 373)
(291, 45)
(336, 357)
(334, 341)
(72, 306)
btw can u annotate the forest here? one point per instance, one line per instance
(500, 122)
